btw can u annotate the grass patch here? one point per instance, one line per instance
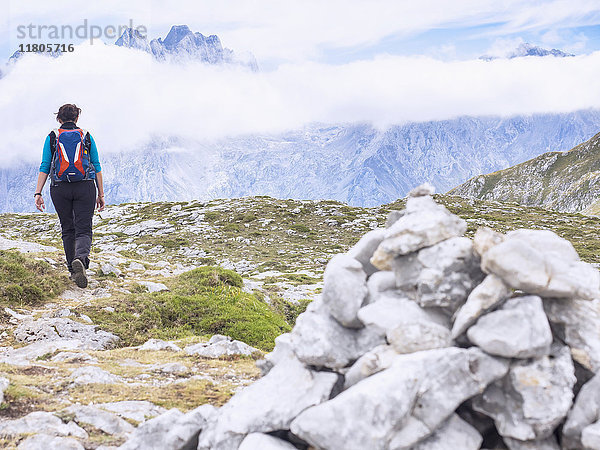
(300, 228)
(27, 281)
(173, 243)
(185, 396)
(204, 301)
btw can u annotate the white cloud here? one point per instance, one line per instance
(297, 30)
(127, 97)
(502, 47)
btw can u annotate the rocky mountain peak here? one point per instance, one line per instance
(181, 44)
(133, 39)
(527, 49)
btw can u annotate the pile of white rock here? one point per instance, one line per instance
(425, 339)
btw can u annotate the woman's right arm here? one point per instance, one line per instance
(43, 175)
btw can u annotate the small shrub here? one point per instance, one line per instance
(198, 280)
(232, 227)
(301, 228)
(245, 217)
(27, 281)
(174, 243)
(204, 301)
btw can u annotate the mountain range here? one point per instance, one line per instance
(564, 181)
(526, 49)
(353, 163)
(180, 45)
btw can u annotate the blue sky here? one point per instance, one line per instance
(336, 32)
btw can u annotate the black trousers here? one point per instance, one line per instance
(75, 203)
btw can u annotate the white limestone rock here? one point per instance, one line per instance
(577, 323)
(219, 346)
(491, 292)
(103, 420)
(261, 441)
(344, 289)
(52, 329)
(153, 287)
(418, 336)
(134, 265)
(407, 326)
(74, 358)
(137, 410)
(590, 436)
(390, 312)
(423, 224)
(40, 422)
(24, 355)
(282, 351)
(4, 383)
(44, 441)
(442, 275)
(173, 368)
(486, 238)
(376, 360)
(379, 284)
(159, 344)
(364, 415)
(584, 413)
(542, 444)
(467, 371)
(519, 329)
(453, 434)
(269, 404)
(378, 412)
(532, 400)
(540, 262)
(92, 374)
(422, 190)
(172, 430)
(363, 250)
(109, 269)
(319, 340)
(24, 246)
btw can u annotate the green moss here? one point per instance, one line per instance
(211, 216)
(301, 228)
(173, 243)
(198, 280)
(232, 227)
(138, 288)
(204, 301)
(245, 217)
(27, 281)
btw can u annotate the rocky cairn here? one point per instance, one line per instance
(425, 339)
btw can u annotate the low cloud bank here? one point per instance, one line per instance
(128, 98)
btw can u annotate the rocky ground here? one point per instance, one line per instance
(102, 360)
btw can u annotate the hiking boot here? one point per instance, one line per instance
(79, 276)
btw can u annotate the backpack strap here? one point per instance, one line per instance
(53, 140)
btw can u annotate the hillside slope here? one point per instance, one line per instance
(154, 276)
(564, 181)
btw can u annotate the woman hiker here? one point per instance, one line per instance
(70, 159)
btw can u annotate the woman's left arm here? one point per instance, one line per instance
(100, 199)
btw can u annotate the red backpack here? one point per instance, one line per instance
(70, 156)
